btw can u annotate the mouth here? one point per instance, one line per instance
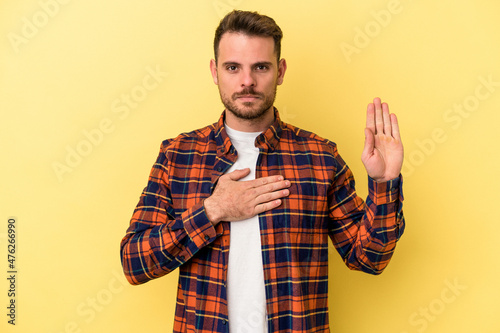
(248, 98)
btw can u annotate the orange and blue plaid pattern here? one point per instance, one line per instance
(169, 228)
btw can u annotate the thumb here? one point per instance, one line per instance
(238, 174)
(369, 143)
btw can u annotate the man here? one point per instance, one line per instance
(244, 207)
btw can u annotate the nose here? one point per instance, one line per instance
(248, 79)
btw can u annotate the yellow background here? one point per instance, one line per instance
(65, 67)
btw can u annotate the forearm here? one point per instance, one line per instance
(368, 233)
(151, 249)
(381, 227)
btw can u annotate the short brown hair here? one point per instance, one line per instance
(251, 24)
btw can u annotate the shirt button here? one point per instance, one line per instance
(224, 321)
(207, 237)
(219, 169)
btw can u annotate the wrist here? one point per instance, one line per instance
(383, 179)
(210, 210)
(378, 179)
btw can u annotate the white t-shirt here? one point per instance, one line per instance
(245, 275)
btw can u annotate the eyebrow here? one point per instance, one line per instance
(234, 63)
(267, 63)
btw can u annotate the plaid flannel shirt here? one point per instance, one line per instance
(169, 228)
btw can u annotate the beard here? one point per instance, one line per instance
(249, 110)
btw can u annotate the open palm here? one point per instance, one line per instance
(383, 151)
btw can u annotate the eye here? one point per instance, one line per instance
(262, 67)
(231, 68)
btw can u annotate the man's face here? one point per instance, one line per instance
(247, 73)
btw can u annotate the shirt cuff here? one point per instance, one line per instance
(385, 192)
(198, 227)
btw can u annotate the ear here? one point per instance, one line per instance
(281, 71)
(213, 69)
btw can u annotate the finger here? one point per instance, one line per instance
(395, 127)
(267, 206)
(370, 117)
(270, 188)
(369, 142)
(238, 174)
(266, 180)
(270, 196)
(387, 119)
(379, 120)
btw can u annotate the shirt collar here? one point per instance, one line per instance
(267, 140)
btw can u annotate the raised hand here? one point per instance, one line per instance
(234, 200)
(383, 151)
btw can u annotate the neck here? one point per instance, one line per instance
(259, 124)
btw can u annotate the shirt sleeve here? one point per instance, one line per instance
(157, 241)
(365, 233)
